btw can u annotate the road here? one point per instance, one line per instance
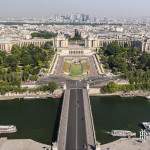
(93, 70)
(93, 81)
(59, 66)
(76, 130)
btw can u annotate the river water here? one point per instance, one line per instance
(34, 119)
(37, 119)
(118, 113)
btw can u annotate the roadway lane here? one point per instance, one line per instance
(59, 66)
(76, 130)
(93, 69)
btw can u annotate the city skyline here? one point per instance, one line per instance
(101, 8)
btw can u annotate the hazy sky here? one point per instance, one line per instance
(17, 8)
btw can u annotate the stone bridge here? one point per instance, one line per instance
(76, 128)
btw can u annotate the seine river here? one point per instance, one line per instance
(118, 113)
(38, 119)
(34, 119)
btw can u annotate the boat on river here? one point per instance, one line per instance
(148, 97)
(31, 97)
(127, 95)
(146, 125)
(122, 133)
(8, 129)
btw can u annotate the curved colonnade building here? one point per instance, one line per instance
(62, 42)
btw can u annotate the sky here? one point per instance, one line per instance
(102, 8)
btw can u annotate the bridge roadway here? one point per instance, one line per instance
(76, 130)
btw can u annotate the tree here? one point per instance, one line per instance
(48, 45)
(2, 57)
(27, 59)
(112, 48)
(52, 86)
(16, 50)
(145, 61)
(110, 87)
(11, 61)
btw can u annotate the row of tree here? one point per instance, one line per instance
(113, 87)
(43, 34)
(6, 87)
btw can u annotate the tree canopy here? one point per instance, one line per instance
(130, 62)
(43, 34)
(23, 63)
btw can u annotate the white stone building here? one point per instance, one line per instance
(6, 45)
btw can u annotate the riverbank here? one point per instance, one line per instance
(32, 95)
(140, 93)
(58, 93)
(21, 144)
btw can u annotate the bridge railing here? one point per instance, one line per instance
(62, 133)
(91, 138)
(91, 114)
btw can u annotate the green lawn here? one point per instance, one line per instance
(76, 70)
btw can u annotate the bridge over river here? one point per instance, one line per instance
(76, 128)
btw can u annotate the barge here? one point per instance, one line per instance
(8, 129)
(122, 133)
